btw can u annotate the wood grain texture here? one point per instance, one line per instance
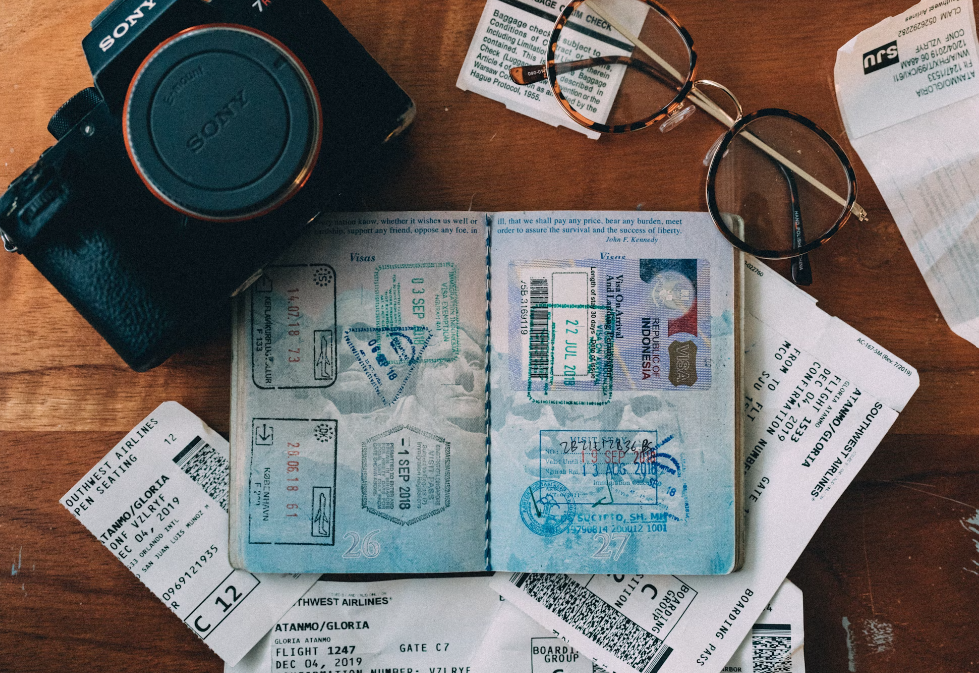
(890, 580)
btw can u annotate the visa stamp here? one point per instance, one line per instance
(294, 327)
(570, 354)
(388, 356)
(405, 475)
(292, 481)
(547, 507)
(631, 473)
(587, 328)
(421, 295)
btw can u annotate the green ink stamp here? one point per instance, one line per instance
(570, 359)
(421, 295)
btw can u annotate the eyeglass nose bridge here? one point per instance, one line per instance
(700, 97)
(703, 100)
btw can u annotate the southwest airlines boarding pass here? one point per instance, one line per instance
(159, 502)
(818, 397)
(460, 625)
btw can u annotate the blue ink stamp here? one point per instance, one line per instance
(633, 473)
(547, 508)
(388, 356)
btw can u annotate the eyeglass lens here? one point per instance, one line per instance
(619, 63)
(780, 209)
(604, 77)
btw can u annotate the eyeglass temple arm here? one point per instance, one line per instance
(801, 270)
(531, 74)
(702, 101)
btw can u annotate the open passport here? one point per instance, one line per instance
(460, 391)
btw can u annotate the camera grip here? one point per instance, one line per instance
(92, 273)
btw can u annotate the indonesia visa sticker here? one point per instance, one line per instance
(159, 502)
(589, 328)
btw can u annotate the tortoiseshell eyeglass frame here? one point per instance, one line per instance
(551, 69)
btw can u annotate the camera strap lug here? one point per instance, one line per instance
(8, 245)
(32, 201)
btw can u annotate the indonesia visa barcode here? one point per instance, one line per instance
(595, 619)
(771, 648)
(540, 323)
(202, 463)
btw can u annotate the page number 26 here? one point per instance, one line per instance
(611, 545)
(366, 548)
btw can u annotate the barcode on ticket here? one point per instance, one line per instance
(771, 648)
(585, 612)
(202, 463)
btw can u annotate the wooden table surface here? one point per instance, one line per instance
(891, 579)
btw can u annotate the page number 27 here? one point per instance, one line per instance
(611, 545)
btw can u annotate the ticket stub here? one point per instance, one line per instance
(516, 643)
(907, 65)
(909, 97)
(413, 625)
(159, 502)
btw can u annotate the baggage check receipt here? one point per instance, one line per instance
(158, 501)
(515, 32)
(909, 98)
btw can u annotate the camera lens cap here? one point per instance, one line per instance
(222, 122)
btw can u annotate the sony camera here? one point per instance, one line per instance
(216, 131)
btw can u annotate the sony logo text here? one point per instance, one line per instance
(213, 126)
(123, 28)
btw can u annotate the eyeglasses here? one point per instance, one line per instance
(778, 186)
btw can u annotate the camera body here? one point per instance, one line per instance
(216, 131)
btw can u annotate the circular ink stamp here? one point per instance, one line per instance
(547, 507)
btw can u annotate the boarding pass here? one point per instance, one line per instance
(460, 625)
(517, 644)
(159, 502)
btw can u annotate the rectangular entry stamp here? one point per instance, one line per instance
(294, 327)
(421, 295)
(634, 473)
(570, 354)
(292, 483)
